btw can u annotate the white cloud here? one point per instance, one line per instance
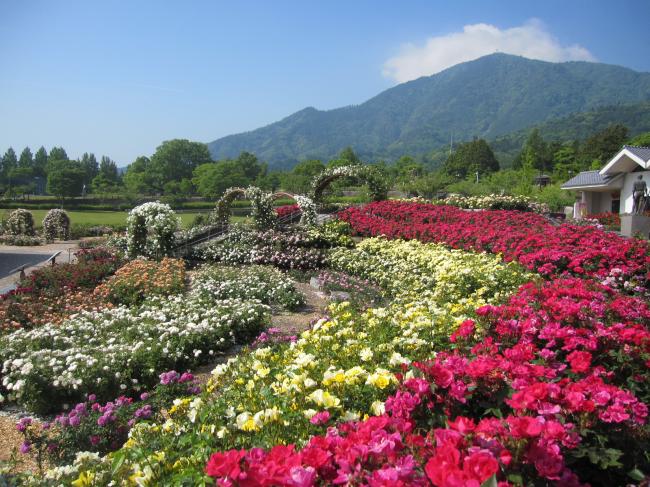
(530, 40)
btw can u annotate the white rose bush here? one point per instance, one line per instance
(56, 224)
(151, 229)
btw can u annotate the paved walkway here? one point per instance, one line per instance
(66, 248)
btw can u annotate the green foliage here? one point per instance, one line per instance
(90, 167)
(214, 178)
(470, 158)
(176, 159)
(642, 140)
(65, 178)
(602, 145)
(58, 154)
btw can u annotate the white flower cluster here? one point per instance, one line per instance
(121, 348)
(308, 209)
(20, 222)
(266, 284)
(496, 202)
(56, 224)
(150, 230)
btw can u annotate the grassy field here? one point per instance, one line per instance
(113, 217)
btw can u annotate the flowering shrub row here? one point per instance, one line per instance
(409, 270)
(535, 395)
(608, 219)
(524, 237)
(121, 349)
(298, 250)
(342, 369)
(52, 294)
(95, 427)
(141, 279)
(495, 202)
(286, 210)
(266, 284)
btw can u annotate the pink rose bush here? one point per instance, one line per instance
(552, 390)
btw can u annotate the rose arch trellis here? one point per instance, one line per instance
(377, 184)
(262, 202)
(306, 205)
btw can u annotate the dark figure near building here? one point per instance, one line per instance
(639, 196)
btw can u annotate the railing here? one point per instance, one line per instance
(21, 268)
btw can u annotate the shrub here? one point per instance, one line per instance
(120, 349)
(20, 222)
(101, 428)
(265, 284)
(150, 230)
(139, 280)
(56, 224)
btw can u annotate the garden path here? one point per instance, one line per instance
(289, 322)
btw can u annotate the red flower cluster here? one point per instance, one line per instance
(525, 237)
(560, 374)
(285, 210)
(608, 219)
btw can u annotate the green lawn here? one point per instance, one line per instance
(114, 217)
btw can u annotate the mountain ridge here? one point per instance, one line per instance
(490, 96)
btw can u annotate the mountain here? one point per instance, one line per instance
(487, 97)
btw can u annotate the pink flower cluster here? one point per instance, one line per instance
(525, 237)
(523, 392)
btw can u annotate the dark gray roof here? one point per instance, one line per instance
(588, 178)
(642, 152)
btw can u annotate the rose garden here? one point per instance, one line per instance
(474, 346)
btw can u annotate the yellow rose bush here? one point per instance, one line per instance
(342, 369)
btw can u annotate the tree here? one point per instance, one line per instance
(176, 159)
(65, 178)
(641, 140)
(9, 162)
(471, 157)
(58, 154)
(407, 167)
(40, 162)
(90, 167)
(212, 179)
(26, 159)
(535, 154)
(138, 178)
(250, 166)
(300, 178)
(348, 155)
(603, 145)
(107, 179)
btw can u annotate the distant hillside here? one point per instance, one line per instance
(578, 126)
(488, 97)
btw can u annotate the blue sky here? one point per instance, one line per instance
(118, 77)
